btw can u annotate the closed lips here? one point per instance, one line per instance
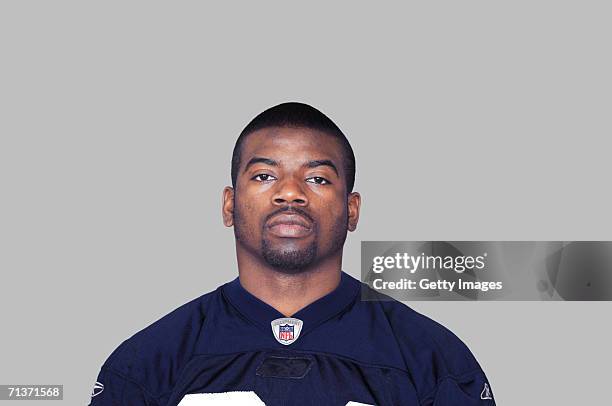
(291, 219)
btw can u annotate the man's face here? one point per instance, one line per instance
(290, 207)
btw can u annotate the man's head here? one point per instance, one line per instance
(292, 203)
(296, 115)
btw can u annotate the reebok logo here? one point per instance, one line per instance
(486, 392)
(97, 389)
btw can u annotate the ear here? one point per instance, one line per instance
(354, 203)
(227, 206)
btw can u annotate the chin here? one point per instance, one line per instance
(289, 261)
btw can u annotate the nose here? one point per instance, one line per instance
(290, 191)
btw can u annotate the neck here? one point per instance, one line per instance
(288, 293)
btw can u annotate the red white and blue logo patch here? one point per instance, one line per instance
(287, 329)
(285, 332)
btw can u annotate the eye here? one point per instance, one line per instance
(263, 177)
(318, 180)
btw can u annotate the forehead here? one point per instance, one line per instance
(291, 146)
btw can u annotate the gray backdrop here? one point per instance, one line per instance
(471, 121)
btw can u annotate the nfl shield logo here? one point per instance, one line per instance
(287, 329)
(285, 332)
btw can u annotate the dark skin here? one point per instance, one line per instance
(290, 212)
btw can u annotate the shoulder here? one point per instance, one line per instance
(423, 335)
(431, 353)
(153, 357)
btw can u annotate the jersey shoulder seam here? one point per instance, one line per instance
(420, 320)
(456, 378)
(133, 342)
(129, 379)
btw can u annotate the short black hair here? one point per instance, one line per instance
(296, 115)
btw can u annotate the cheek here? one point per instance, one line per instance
(334, 215)
(327, 200)
(246, 208)
(247, 214)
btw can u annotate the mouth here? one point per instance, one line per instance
(289, 226)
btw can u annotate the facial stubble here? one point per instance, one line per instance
(286, 258)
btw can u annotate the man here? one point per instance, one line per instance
(291, 329)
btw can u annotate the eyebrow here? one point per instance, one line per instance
(257, 160)
(309, 164)
(322, 162)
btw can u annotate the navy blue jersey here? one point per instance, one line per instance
(229, 348)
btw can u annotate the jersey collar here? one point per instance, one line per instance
(319, 311)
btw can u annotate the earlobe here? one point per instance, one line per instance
(227, 206)
(354, 204)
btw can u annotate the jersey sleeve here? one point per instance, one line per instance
(113, 389)
(443, 370)
(143, 369)
(469, 390)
